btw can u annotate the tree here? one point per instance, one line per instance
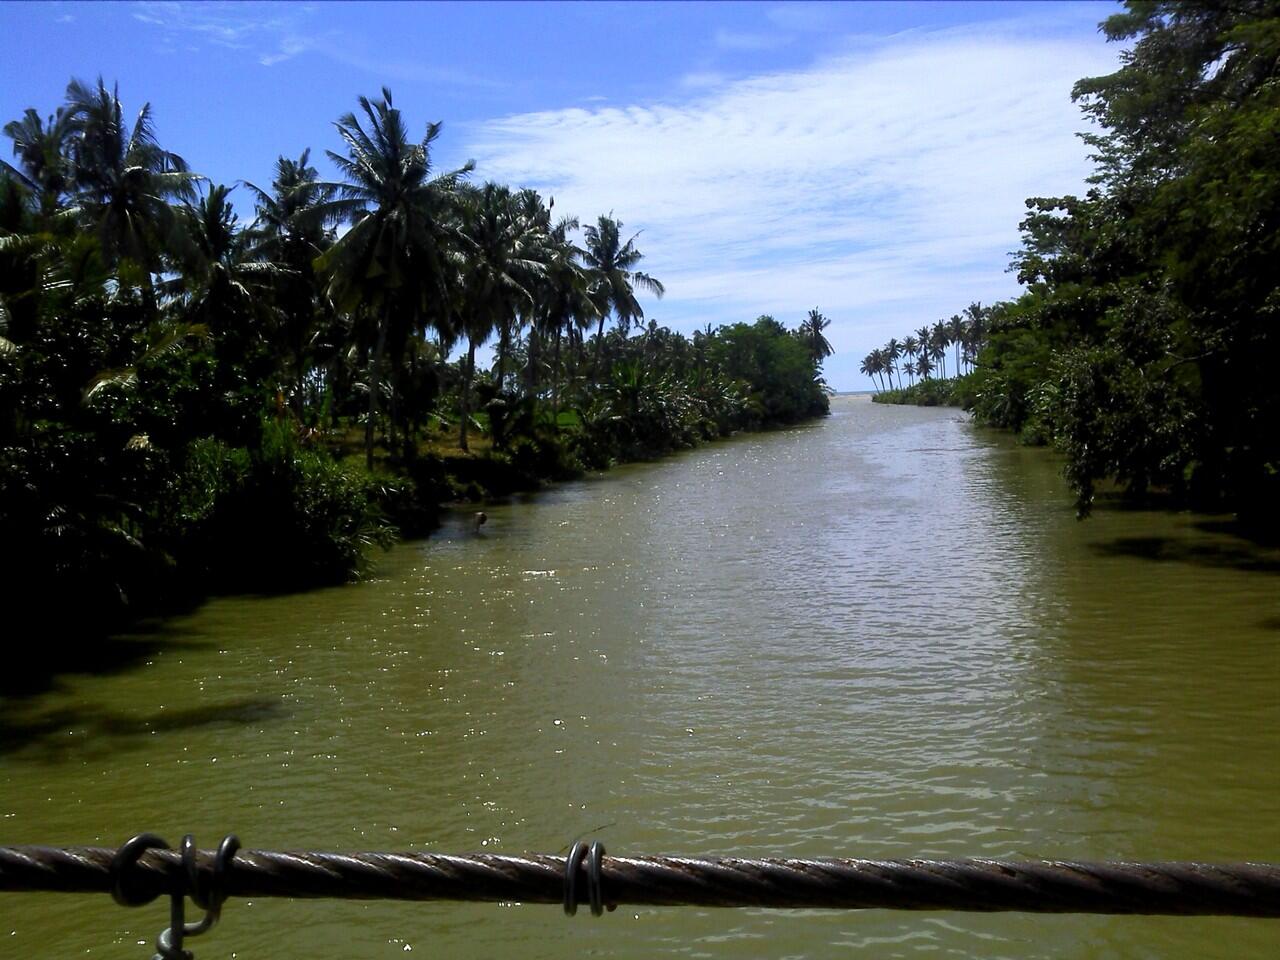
(43, 152)
(938, 346)
(125, 182)
(811, 333)
(614, 279)
(502, 251)
(293, 229)
(955, 334)
(394, 268)
(892, 351)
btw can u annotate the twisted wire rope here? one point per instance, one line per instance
(1045, 886)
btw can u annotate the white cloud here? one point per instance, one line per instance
(884, 185)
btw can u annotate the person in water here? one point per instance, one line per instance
(481, 518)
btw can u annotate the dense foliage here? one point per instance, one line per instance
(183, 396)
(1142, 344)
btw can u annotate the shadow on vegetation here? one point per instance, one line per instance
(1244, 556)
(73, 731)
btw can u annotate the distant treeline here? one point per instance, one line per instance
(190, 403)
(1143, 343)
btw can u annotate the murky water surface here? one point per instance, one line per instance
(881, 635)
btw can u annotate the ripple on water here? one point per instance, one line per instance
(882, 635)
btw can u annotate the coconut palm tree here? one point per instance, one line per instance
(975, 329)
(938, 347)
(955, 333)
(563, 301)
(615, 280)
(910, 346)
(42, 150)
(923, 365)
(500, 266)
(124, 182)
(292, 229)
(394, 268)
(811, 333)
(892, 351)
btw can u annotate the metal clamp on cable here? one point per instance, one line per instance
(594, 856)
(209, 896)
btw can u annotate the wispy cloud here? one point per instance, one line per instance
(738, 40)
(884, 185)
(273, 33)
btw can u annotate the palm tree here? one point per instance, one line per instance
(874, 365)
(564, 305)
(292, 229)
(923, 365)
(396, 264)
(811, 333)
(910, 347)
(502, 246)
(892, 351)
(124, 182)
(42, 151)
(910, 369)
(955, 333)
(938, 346)
(615, 280)
(975, 329)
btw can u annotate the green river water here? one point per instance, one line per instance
(879, 635)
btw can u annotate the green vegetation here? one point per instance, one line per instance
(1141, 346)
(923, 354)
(189, 403)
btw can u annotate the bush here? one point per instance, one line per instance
(280, 517)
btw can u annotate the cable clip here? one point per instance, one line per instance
(594, 856)
(209, 896)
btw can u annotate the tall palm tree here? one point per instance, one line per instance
(564, 304)
(292, 229)
(874, 364)
(955, 333)
(910, 346)
(938, 347)
(615, 278)
(125, 182)
(396, 264)
(924, 366)
(975, 329)
(892, 351)
(218, 277)
(501, 261)
(43, 153)
(811, 333)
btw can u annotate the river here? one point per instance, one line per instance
(879, 635)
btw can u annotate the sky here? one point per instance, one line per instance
(868, 159)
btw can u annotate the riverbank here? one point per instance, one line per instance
(936, 392)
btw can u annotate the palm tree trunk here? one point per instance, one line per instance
(555, 383)
(374, 372)
(504, 345)
(465, 411)
(595, 365)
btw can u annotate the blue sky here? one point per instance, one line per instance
(869, 159)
